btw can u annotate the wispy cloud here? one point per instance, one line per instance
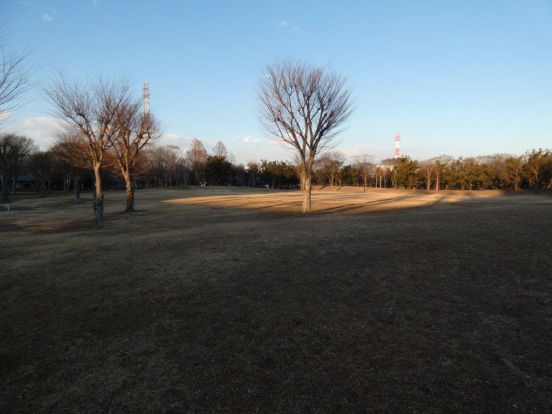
(288, 24)
(5, 115)
(250, 140)
(47, 18)
(49, 13)
(43, 129)
(171, 138)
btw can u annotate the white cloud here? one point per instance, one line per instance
(177, 140)
(250, 140)
(49, 12)
(47, 18)
(289, 25)
(42, 129)
(4, 115)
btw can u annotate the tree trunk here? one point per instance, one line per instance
(307, 190)
(66, 184)
(5, 190)
(76, 189)
(129, 193)
(301, 181)
(99, 196)
(428, 184)
(42, 188)
(437, 182)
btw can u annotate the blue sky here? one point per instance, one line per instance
(453, 77)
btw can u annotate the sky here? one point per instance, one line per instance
(463, 78)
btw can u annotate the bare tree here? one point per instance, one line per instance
(364, 166)
(382, 173)
(197, 158)
(171, 164)
(91, 111)
(535, 161)
(330, 164)
(14, 77)
(427, 168)
(14, 150)
(253, 173)
(467, 172)
(42, 169)
(439, 165)
(514, 170)
(182, 171)
(73, 149)
(219, 150)
(304, 107)
(164, 164)
(135, 130)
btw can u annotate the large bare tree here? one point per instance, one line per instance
(14, 76)
(91, 112)
(135, 130)
(304, 107)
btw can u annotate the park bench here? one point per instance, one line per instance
(6, 206)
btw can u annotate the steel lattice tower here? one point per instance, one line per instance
(397, 145)
(146, 96)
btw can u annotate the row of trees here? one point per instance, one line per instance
(531, 170)
(104, 125)
(64, 166)
(166, 166)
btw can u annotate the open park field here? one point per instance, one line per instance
(228, 299)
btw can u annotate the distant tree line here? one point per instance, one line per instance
(532, 170)
(163, 166)
(25, 168)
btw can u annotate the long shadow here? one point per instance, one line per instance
(357, 206)
(247, 210)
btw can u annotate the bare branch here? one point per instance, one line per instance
(14, 77)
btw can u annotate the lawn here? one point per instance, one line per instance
(225, 299)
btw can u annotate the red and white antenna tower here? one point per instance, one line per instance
(146, 96)
(397, 145)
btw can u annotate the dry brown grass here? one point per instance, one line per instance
(224, 299)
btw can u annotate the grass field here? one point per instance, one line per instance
(225, 299)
